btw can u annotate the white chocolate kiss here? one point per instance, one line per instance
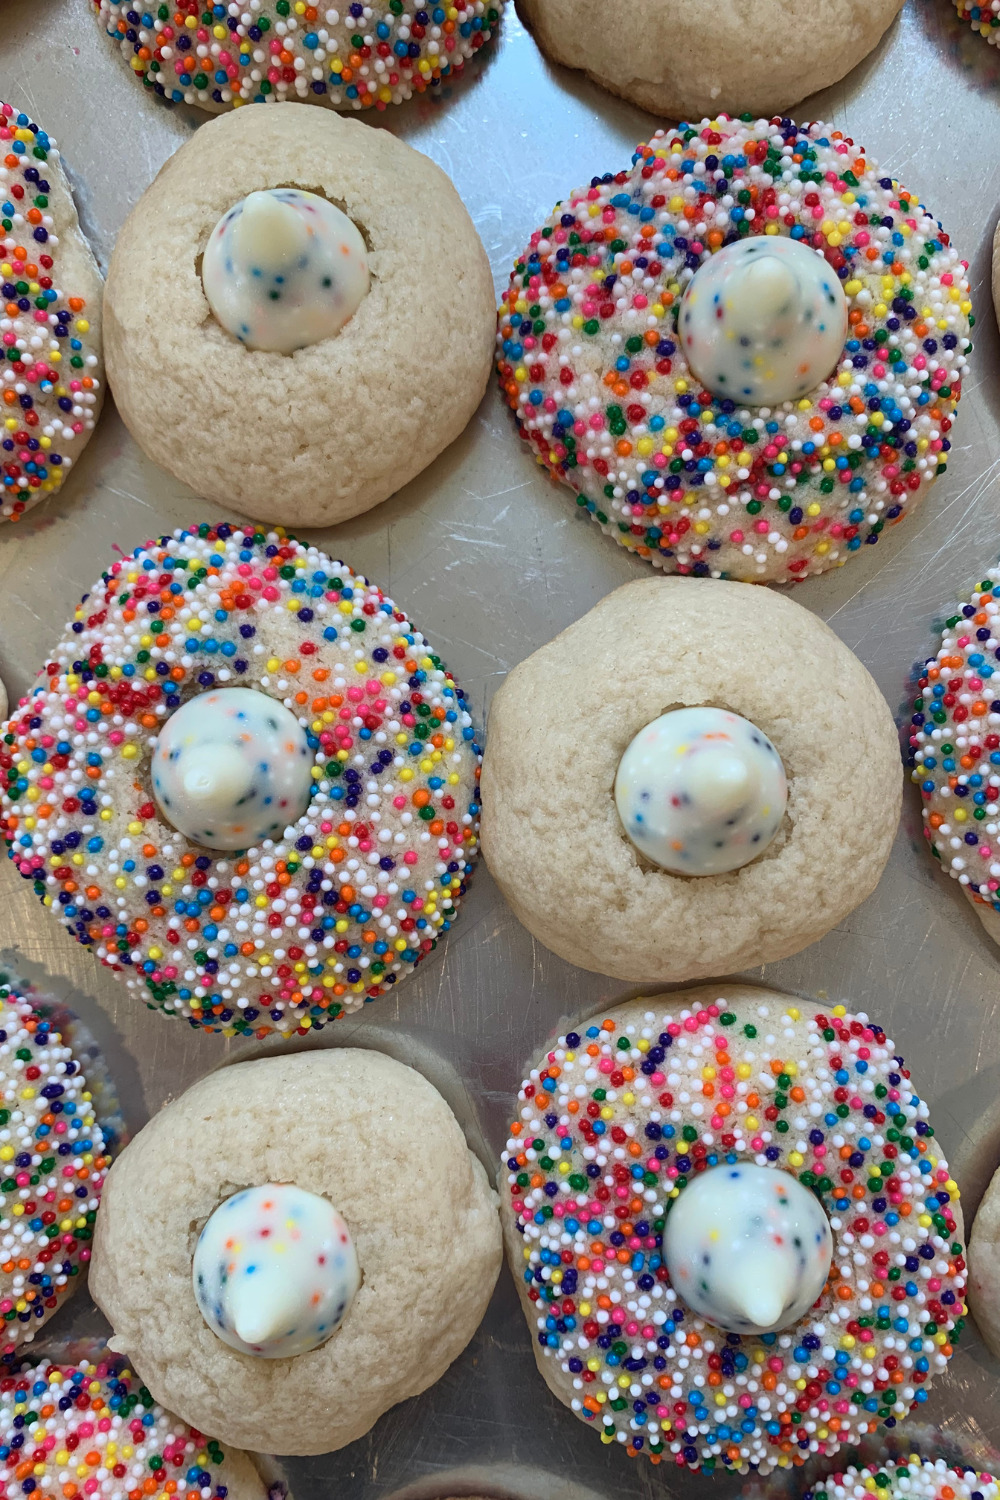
(232, 767)
(701, 791)
(275, 1271)
(747, 1247)
(284, 269)
(763, 321)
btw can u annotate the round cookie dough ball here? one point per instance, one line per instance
(378, 1142)
(617, 1121)
(63, 1412)
(910, 1478)
(303, 924)
(563, 720)
(704, 480)
(327, 56)
(984, 1267)
(312, 437)
(682, 59)
(54, 1159)
(50, 312)
(954, 743)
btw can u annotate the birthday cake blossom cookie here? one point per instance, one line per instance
(955, 750)
(694, 778)
(300, 315)
(355, 56)
(295, 1245)
(245, 781)
(93, 1430)
(681, 59)
(53, 1160)
(912, 1478)
(735, 1238)
(744, 354)
(51, 377)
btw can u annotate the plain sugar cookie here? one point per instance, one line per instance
(752, 1098)
(984, 1267)
(51, 376)
(554, 836)
(682, 59)
(316, 435)
(375, 1141)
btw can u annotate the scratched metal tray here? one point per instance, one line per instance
(516, 135)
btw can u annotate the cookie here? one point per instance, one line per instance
(955, 750)
(984, 1271)
(622, 1119)
(51, 376)
(914, 1477)
(53, 1161)
(212, 902)
(722, 874)
(357, 57)
(739, 478)
(370, 1139)
(680, 59)
(217, 386)
(94, 1431)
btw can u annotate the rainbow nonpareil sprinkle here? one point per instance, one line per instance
(984, 18)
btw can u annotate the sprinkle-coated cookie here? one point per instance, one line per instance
(296, 930)
(590, 361)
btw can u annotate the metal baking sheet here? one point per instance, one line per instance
(491, 560)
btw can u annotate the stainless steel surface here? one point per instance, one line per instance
(492, 561)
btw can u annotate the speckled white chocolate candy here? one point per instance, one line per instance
(701, 791)
(275, 1270)
(748, 1247)
(232, 768)
(763, 321)
(284, 269)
